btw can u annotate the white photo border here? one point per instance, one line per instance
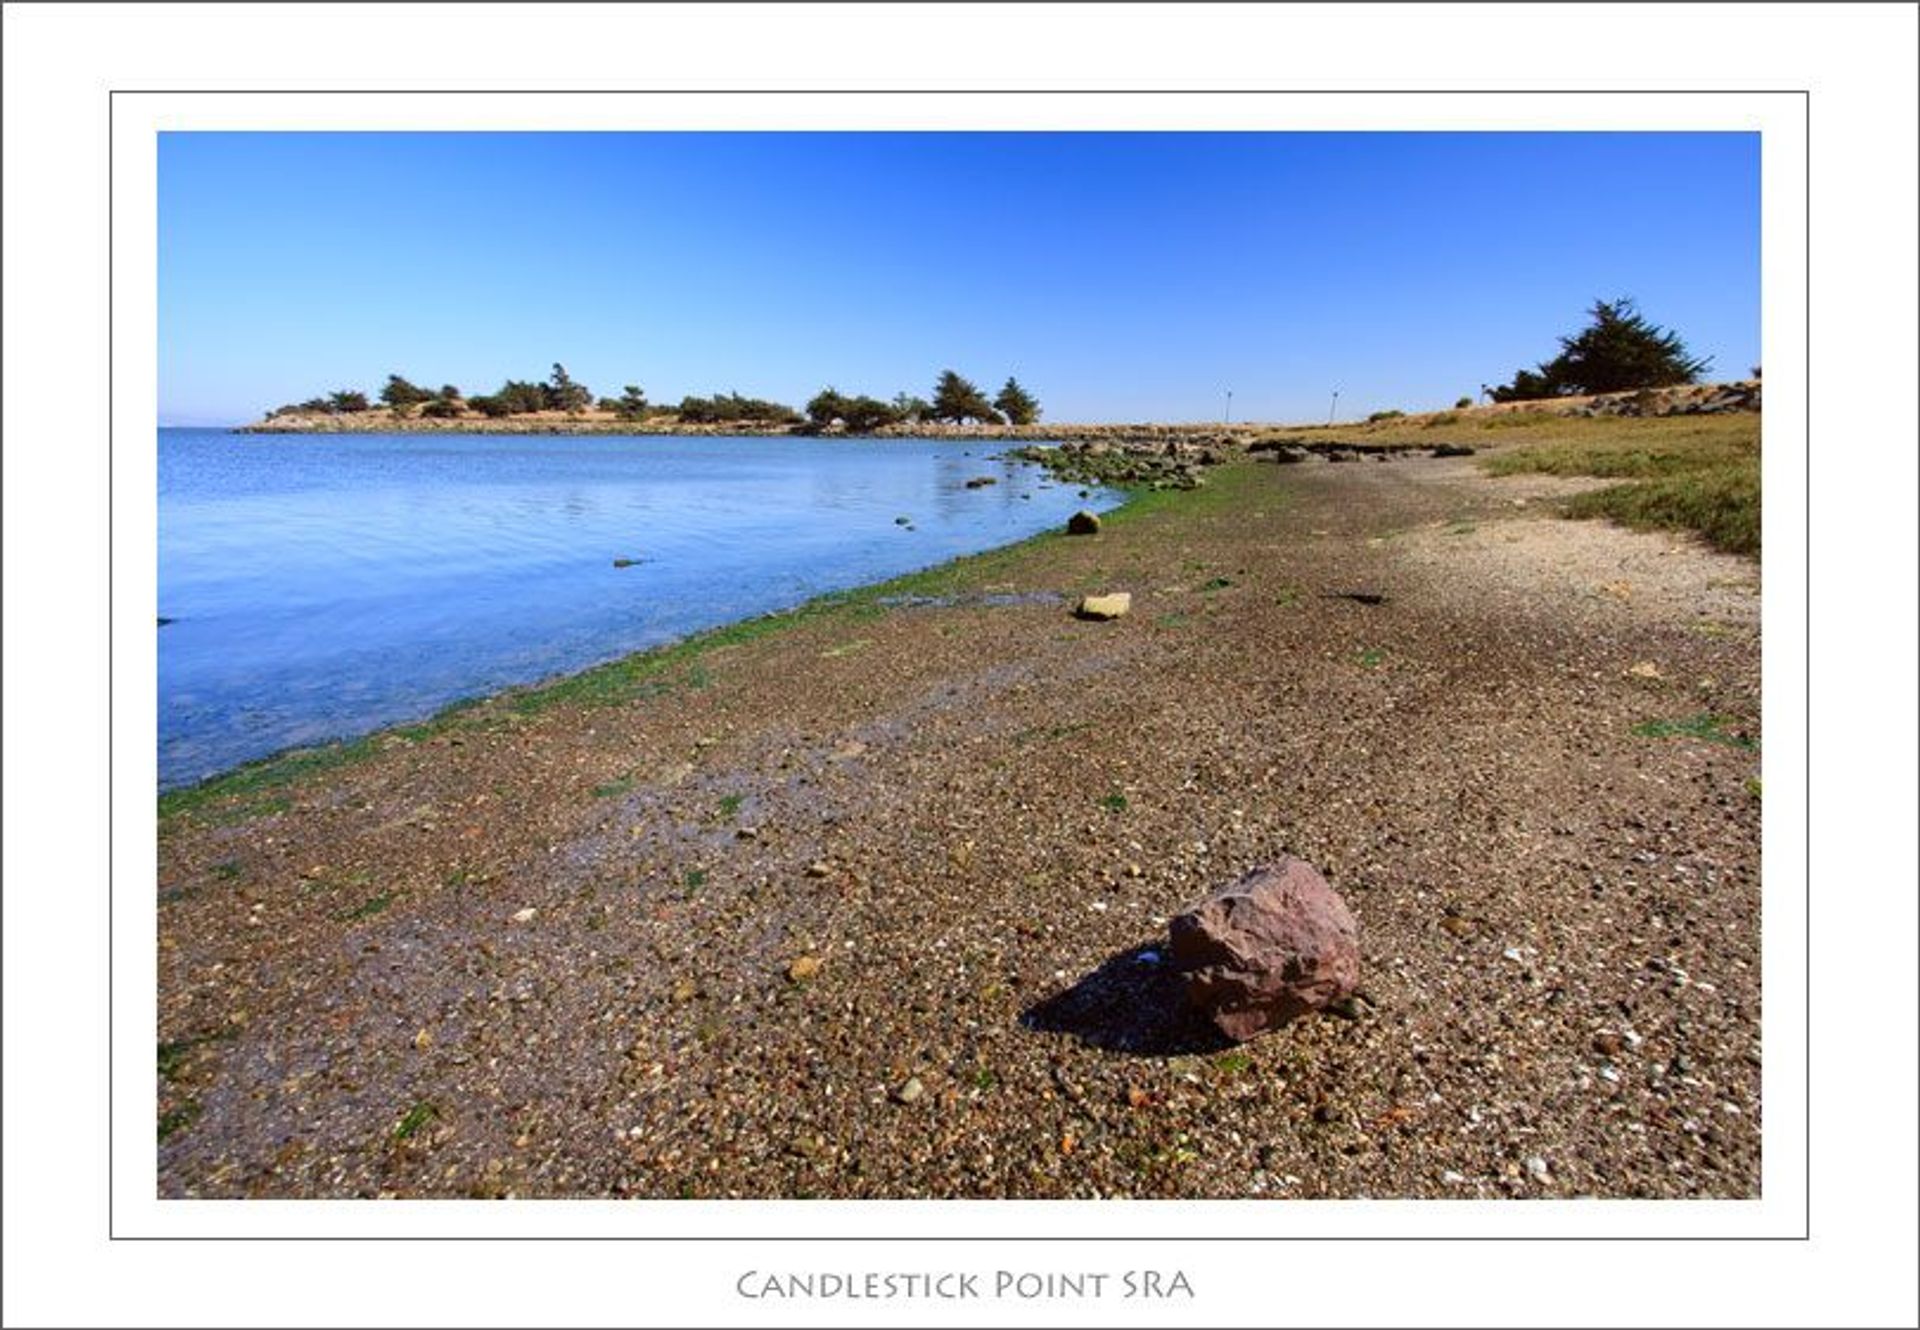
(1780, 117)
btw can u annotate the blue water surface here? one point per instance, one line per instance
(324, 586)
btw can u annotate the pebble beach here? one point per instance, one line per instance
(870, 900)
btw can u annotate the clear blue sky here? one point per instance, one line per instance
(1119, 276)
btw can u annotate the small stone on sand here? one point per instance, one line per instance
(1110, 606)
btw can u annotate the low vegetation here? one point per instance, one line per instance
(956, 400)
(1701, 474)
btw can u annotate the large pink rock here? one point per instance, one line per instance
(1277, 943)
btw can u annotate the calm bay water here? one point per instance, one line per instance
(324, 587)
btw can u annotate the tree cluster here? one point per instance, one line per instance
(518, 397)
(345, 402)
(732, 408)
(956, 400)
(1618, 350)
(859, 415)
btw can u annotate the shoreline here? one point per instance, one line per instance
(302, 759)
(855, 902)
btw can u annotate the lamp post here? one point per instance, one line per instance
(1335, 404)
(1229, 406)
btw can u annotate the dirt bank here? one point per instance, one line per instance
(857, 907)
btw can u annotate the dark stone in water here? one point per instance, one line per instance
(625, 563)
(164, 621)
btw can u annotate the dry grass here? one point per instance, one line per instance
(1684, 473)
(1690, 473)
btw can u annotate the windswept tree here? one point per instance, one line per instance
(399, 394)
(957, 400)
(449, 393)
(826, 406)
(860, 415)
(1617, 350)
(911, 408)
(518, 397)
(348, 401)
(563, 394)
(1019, 406)
(865, 414)
(631, 404)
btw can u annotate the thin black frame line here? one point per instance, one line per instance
(971, 92)
(1806, 672)
(977, 4)
(110, 582)
(1805, 96)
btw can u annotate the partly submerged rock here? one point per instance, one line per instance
(979, 482)
(1083, 523)
(1275, 944)
(1110, 606)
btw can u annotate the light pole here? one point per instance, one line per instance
(1229, 406)
(1334, 406)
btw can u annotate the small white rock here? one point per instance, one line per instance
(1538, 1168)
(524, 916)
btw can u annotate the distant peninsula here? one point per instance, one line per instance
(562, 405)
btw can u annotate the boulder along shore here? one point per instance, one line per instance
(871, 899)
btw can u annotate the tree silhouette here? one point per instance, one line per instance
(400, 394)
(563, 394)
(1019, 406)
(1618, 350)
(956, 399)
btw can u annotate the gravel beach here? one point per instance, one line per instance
(874, 904)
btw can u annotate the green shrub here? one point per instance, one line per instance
(732, 408)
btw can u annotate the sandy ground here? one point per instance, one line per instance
(869, 907)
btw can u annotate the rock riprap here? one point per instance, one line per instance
(1275, 944)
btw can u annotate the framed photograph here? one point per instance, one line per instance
(967, 702)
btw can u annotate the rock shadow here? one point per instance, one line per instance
(1133, 1003)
